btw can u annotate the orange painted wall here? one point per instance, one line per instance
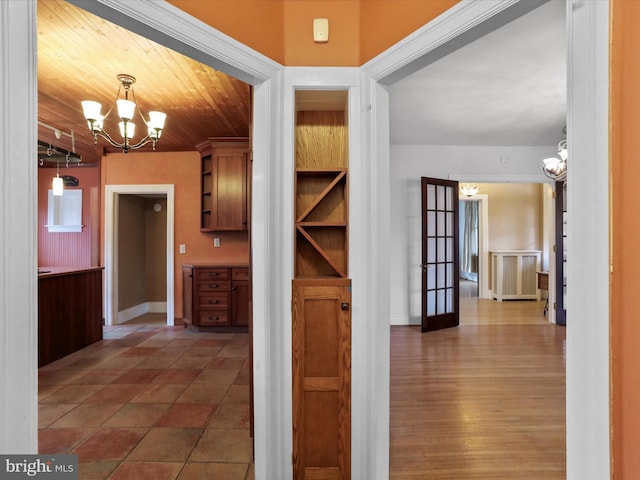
(384, 23)
(283, 29)
(625, 176)
(343, 48)
(258, 24)
(181, 169)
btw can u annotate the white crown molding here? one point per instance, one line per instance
(461, 24)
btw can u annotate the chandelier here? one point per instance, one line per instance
(126, 111)
(556, 167)
(469, 190)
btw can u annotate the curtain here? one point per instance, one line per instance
(469, 254)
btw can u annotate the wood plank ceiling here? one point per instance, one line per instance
(79, 57)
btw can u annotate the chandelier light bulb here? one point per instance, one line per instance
(130, 129)
(91, 109)
(126, 109)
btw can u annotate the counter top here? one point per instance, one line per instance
(56, 271)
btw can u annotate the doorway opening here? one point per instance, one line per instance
(115, 240)
(141, 256)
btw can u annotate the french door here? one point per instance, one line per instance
(440, 254)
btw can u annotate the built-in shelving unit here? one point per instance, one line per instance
(321, 290)
(321, 194)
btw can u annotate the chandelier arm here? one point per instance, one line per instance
(114, 102)
(111, 141)
(143, 142)
(138, 109)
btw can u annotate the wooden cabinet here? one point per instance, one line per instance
(240, 296)
(216, 296)
(224, 191)
(321, 323)
(69, 312)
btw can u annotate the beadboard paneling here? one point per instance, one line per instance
(68, 249)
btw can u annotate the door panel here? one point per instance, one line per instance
(321, 374)
(440, 256)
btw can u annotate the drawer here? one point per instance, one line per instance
(214, 300)
(240, 274)
(214, 286)
(206, 274)
(213, 317)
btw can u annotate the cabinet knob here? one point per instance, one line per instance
(344, 305)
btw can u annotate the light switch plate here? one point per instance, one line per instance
(183, 248)
(321, 30)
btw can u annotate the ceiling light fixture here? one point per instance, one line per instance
(469, 190)
(58, 183)
(556, 168)
(126, 110)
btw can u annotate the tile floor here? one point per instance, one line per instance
(151, 402)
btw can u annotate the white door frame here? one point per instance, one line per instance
(111, 202)
(588, 354)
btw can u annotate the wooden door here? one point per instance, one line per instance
(440, 254)
(230, 188)
(321, 379)
(561, 252)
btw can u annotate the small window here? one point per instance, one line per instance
(65, 212)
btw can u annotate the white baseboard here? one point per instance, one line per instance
(404, 319)
(140, 309)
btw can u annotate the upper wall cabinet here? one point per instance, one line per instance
(224, 184)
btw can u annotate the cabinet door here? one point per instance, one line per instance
(187, 295)
(230, 189)
(240, 303)
(321, 379)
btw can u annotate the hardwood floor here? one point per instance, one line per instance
(485, 400)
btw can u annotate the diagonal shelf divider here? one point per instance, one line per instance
(340, 175)
(340, 271)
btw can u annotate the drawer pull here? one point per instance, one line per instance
(214, 302)
(214, 318)
(214, 286)
(214, 274)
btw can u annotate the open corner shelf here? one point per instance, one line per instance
(321, 222)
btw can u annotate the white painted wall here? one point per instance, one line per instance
(408, 164)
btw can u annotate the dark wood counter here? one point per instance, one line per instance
(69, 311)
